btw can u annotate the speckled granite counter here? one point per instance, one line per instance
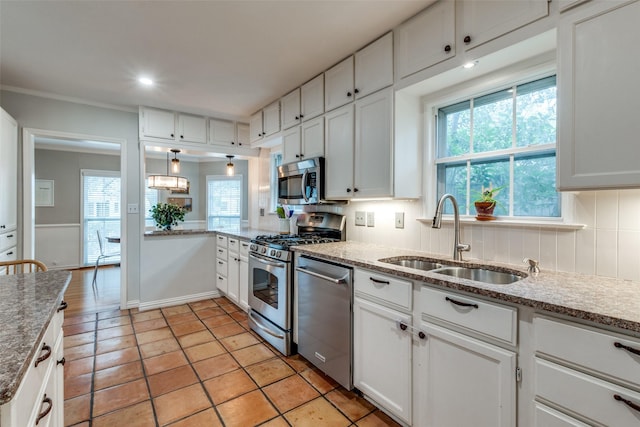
(241, 233)
(608, 302)
(27, 305)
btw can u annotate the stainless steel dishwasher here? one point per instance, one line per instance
(325, 331)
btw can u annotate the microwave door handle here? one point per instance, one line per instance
(303, 184)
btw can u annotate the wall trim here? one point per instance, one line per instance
(176, 300)
(57, 225)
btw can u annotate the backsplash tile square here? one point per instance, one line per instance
(606, 253)
(629, 255)
(607, 210)
(629, 210)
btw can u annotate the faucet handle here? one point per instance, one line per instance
(533, 265)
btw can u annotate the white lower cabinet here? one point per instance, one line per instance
(232, 269)
(462, 381)
(382, 356)
(548, 417)
(243, 294)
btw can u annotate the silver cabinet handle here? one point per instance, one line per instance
(264, 261)
(264, 328)
(338, 281)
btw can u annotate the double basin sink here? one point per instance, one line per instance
(478, 274)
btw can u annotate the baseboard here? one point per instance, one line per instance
(132, 304)
(177, 300)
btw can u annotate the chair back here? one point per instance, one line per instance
(100, 242)
(21, 266)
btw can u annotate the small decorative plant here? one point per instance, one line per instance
(486, 202)
(167, 215)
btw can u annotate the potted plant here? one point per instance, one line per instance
(167, 215)
(486, 203)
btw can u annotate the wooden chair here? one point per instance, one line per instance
(21, 266)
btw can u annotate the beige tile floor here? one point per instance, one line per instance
(195, 365)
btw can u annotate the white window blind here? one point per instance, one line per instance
(224, 201)
(150, 199)
(101, 211)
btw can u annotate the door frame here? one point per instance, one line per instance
(29, 136)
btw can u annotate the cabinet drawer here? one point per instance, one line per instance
(221, 267)
(221, 282)
(585, 395)
(9, 254)
(606, 353)
(221, 253)
(8, 240)
(244, 248)
(221, 241)
(488, 319)
(386, 288)
(547, 417)
(233, 244)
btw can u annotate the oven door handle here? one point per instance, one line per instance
(266, 262)
(338, 281)
(303, 185)
(264, 328)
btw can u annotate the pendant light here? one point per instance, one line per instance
(175, 163)
(230, 167)
(169, 182)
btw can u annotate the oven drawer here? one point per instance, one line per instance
(221, 241)
(221, 253)
(221, 267)
(386, 288)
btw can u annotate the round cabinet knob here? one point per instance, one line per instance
(172, 136)
(239, 143)
(349, 94)
(301, 155)
(297, 118)
(467, 39)
(301, 115)
(233, 143)
(181, 136)
(403, 326)
(348, 190)
(355, 190)
(356, 91)
(422, 335)
(447, 48)
(297, 156)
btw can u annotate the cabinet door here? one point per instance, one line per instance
(221, 132)
(158, 123)
(374, 66)
(271, 119)
(313, 138)
(597, 122)
(8, 173)
(381, 346)
(192, 128)
(483, 21)
(243, 292)
(291, 145)
(373, 171)
(462, 381)
(255, 127)
(233, 277)
(312, 98)
(291, 109)
(338, 177)
(242, 130)
(338, 85)
(426, 39)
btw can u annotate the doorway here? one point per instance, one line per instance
(62, 221)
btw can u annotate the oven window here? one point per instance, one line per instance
(265, 287)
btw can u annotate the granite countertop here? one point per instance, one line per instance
(240, 232)
(27, 305)
(612, 303)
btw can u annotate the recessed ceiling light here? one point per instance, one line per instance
(145, 81)
(470, 64)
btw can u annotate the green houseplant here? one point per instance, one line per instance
(486, 203)
(167, 215)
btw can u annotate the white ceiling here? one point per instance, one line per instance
(218, 58)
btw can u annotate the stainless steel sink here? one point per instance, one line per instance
(481, 275)
(417, 263)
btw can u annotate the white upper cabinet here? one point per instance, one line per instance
(598, 101)
(192, 128)
(158, 123)
(291, 145)
(338, 85)
(312, 98)
(271, 119)
(291, 109)
(242, 132)
(222, 132)
(426, 39)
(374, 66)
(339, 133)
(255, 127)
(312, 138)
(483, 21)
(8, 173)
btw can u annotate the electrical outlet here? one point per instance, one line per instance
(132, 208)
(371, 218)
(261, 211)
(399, 219)
(360, 218)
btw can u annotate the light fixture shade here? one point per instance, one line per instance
(230, 167)
(175, 166)
(166, 182)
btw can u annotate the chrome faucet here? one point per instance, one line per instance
(458, 247)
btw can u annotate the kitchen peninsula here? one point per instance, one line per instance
(31, 350)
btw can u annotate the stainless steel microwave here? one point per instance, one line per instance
(301, 183)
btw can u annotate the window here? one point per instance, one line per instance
(276, 160)
(503, 139)
(100, 212)
(151, 197)
(224, 201)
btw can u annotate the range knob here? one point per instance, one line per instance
(278, 253)
(253, 247)
(264, 250)
(273, 252)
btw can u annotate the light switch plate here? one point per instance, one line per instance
(360, 218)
(132, 208)
(371, 218)
(399, 219)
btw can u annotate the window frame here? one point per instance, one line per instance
(235, 177)
(517, 74)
